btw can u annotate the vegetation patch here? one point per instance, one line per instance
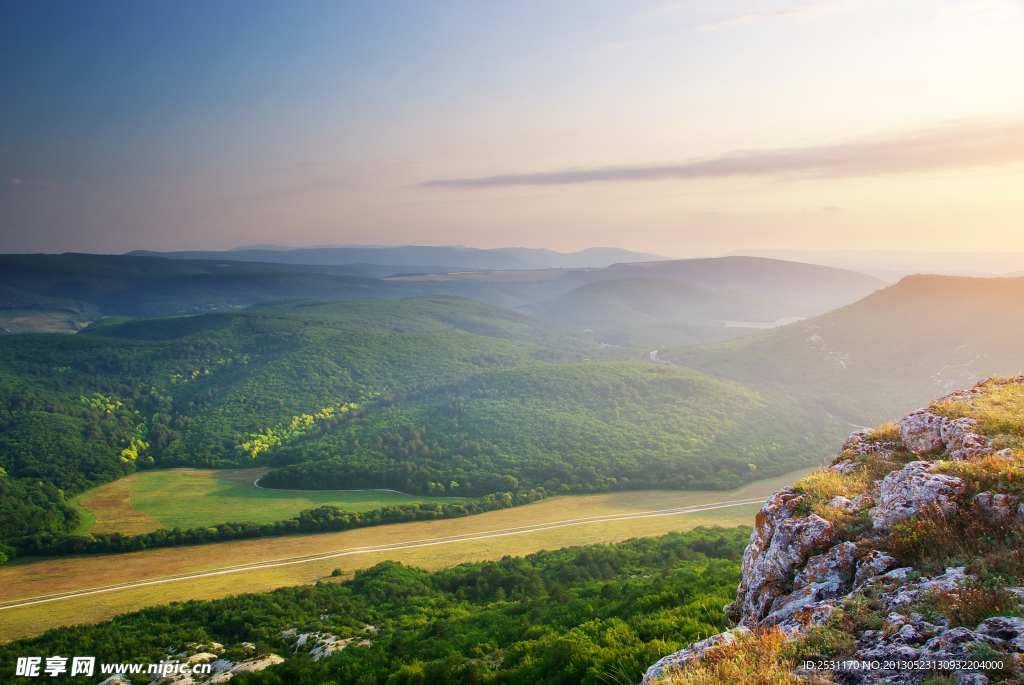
(588, 614)
(999, 411)
(186, 498)
(763, 658)
(113, 511)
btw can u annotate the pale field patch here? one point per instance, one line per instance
(195, 498)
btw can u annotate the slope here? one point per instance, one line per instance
(431, 396)
(654, 312)
(881, 357)
(807, 288)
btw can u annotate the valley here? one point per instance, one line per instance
(613, 517)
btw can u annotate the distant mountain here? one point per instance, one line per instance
(878, 358)
(808, 289)
(65, 292)
(590, 258)
(651, 312)
(892, 265)
(414, 257)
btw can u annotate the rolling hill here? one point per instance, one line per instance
(807, 288)
(63, 293)
(654, 312)
(878, 358)
(415, 257)
(429, 395)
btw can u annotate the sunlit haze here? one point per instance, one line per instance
(690, 128)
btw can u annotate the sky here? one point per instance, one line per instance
(687, 129)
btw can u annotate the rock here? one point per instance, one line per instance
(921, 431)
(970, 678)
(845, 467)
(905, 493)
(911, 593)
(835, 565)
(962, 442)
(954, 644)
(841, 502)
(1001, 627)
(674, 662)
(779, 543)
(860, 443)
(258, 664)
(999, 509)
(873, 564)
(908, 635)
(856, 439)
(826, 576)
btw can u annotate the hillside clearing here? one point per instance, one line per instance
(193, 498)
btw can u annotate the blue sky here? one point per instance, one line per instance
(684, 128)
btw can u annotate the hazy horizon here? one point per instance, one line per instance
(687, 129)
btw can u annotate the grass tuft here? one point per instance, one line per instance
(763, 658)
(973, 602)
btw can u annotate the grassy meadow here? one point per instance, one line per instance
(192, 498)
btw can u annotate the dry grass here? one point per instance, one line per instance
(999, 412)
(972, 603)
(111, 505)
(993, 473)
(759, 659)
(33, 577)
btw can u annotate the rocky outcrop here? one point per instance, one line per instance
(674, 662)
(925, 432)
(915, 488)
(798, 568)
(781, 541)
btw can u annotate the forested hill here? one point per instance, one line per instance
(427, 395)
(877, 359)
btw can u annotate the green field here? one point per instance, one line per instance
(192, 498)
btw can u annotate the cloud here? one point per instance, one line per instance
(936, 149)
(792, 13)
(994, 9)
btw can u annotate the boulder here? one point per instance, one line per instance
(963, 442)
(873, 564)
(921, 431)
(906, 493)
(999, 509)
(954, 644)
(1002, 627)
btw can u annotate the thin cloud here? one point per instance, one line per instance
(938, 149)
(792, 13)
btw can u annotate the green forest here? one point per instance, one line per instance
(434, 395)
(586, 615)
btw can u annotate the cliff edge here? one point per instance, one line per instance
(901, 562)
